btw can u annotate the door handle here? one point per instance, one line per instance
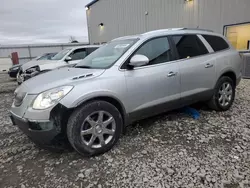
(171, 74)
(209, 65)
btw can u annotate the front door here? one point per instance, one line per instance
(153, 88)
(77, 56)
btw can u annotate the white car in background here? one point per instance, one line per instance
(67, 57)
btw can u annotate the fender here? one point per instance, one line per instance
(106, 96)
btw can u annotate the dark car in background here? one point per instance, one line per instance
(15, 68)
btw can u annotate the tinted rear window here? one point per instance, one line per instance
(189, 46)
(217, 43)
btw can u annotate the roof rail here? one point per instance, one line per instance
(162, 30)
(177, 29)
(198, 29)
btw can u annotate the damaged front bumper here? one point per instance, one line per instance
(27, 76)
(46, 128)
(40, 132)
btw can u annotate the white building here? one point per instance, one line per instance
(108, 19)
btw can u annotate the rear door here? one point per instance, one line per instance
(197, 68)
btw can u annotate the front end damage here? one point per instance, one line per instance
(31, 72)
(49, 134)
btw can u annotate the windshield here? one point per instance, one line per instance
(61, 54)
(47, 57)
(107, 55)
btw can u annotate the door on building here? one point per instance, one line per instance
(151, 88)
(238, 35)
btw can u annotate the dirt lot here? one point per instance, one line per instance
(170, 150)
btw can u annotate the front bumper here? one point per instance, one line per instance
(13, 74)
(21, 77)
(40, 132)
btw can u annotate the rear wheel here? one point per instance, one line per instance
(94, 128)
(224, 94)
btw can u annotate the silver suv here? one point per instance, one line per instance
(128, 79)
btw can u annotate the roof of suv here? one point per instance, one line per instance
(170, 31)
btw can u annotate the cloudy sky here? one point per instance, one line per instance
(42, 21)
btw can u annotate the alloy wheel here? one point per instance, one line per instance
(98, 129)
(225, 94)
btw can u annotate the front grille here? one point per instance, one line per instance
(19, 98)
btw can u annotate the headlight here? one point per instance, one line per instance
(51, 97)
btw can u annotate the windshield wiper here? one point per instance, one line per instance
(83, 67)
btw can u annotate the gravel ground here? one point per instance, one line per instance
(170, 150)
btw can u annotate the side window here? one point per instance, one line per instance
(217, 43)
(189, 46)
(90, 50)
(157, 50)
(78, 54)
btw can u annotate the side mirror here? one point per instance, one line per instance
(138, 60)
(67, 59)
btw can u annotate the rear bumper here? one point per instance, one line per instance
(238, 81)
(42, 133)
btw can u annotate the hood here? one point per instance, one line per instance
(18, 65)
(14, 66)
(34, 63)
(59, 77)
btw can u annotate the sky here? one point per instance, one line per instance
(42, 21)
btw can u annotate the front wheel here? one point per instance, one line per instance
(94, 128)
(224, 94)
(20, 78)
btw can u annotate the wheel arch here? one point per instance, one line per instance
(112, 100)
(231, 74)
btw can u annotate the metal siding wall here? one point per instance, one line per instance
(37, 51)
(215, 14)
(6, 52)
(235, 11)
(127, 17)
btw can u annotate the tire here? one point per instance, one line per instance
(86, 119)
(215, 102)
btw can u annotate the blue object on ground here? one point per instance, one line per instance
(191, 111)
